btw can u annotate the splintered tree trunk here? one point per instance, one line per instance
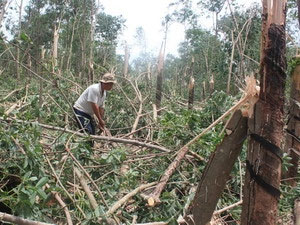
(126, 60)
(266, 128)
(191, 86)
(55, 48)
(292, 145)
(91, 56)
(231, 63)
(191, 92)
(159, 79)
(217, 171)
(41, 89)
(19, 35)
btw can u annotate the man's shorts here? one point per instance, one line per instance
(84, 121)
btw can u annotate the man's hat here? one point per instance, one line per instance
(108, 78)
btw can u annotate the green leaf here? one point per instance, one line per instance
(42, 182)
(25, 37)
(41, 193)
(33, 178)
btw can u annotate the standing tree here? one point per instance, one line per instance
(261, 192)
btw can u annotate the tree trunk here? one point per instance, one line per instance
(159, 79)
(71, 43)
(203, 90)
(126, 60)
(217, 171)
(18, 220)
(266, 128)
(19, 35)
(191, 92)
(55, 48)
(41, 91)
(231, 62)
(292, 145)
(191, 86)
(91, 56)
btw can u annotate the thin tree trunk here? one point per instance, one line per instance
(159, 78)
(19, 35)
(231, 62)
(18, 220)
(86, 189)
(91, 56)
(191, 86)
(55, 48)
(263, 172)
(126, 61)
(191, 92)
(71, 44)
(217, 171)
(41, 91)
(292, 145)
(203, 90)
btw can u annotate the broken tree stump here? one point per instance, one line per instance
(263, 174)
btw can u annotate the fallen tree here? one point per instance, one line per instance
(18, 220)
(94, 137)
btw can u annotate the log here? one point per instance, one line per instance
(86, 189)
(18, 220)
(123, 200)
(217, 171)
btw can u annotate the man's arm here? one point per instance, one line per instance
(99, 115)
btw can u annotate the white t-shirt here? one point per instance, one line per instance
(91, 94)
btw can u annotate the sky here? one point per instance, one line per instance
(149, 14)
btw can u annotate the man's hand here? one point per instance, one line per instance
(101, 125)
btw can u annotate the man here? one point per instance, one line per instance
(91, 102)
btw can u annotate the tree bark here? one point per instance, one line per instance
(159, 78)
(19, 35)
(55, 48)
(266, 128)
(191, 86)
(191, 92)
(91, 56)
(231, 63)
(217, 171)
(292, 144)
(86, 189)
(126, 60)
(18, 220)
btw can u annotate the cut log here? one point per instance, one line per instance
(217, 171)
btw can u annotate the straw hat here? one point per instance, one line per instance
(108, 78)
